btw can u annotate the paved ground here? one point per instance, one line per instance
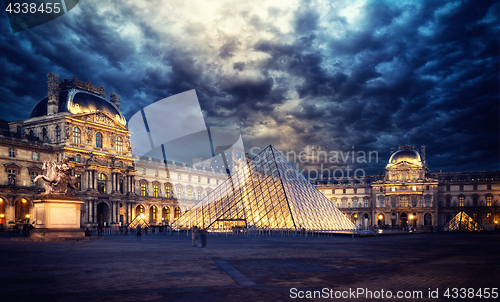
(169, 268)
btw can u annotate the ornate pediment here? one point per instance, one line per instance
(100, 118)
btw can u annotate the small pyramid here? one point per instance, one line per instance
(138, 221)
(463, 222)
(267, 192)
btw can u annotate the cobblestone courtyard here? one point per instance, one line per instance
(241, 268)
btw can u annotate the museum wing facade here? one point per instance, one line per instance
(76, 120)
(409, 196)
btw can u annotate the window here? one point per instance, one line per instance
(208, 180)
(152, 214)
(343, 191)
(120, 164)
(488, 187)
(165, 214)
(101, 183)
(488, 201)
(414, 201)
(139, 210)
(177, 213)
(44, 133)
(427, 201)
(143, 189)
(121, 186)
(367, 202)
(393, 189)
(119, 144)
(33, 176)
(58, 134)
(414, 188)
(489, 218)
(427, 188)
(167, 191)
(11, 174)
(12, 152)
(381, 201)
(344, 202)
(199, 194)
(31, 133)
(461, 187)
(427, 219)
(404, 201)
(78, 181)
(474, 200)
(178, 193)
(448, 201)
(78, 158)
(355, 202)
(77, 135)
(189, 193)
(355, 191)
(474, 187)
(156, 190)
(393, 202)
(98, 140)
(34, 155)
(461, 200)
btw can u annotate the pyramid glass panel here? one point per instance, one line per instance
(267, 192)
(463, 222)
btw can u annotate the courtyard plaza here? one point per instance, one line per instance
(241, 267)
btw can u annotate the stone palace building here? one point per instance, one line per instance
(75, 120)
(409, 196)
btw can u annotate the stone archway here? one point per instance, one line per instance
(103, 214)
(403, 220)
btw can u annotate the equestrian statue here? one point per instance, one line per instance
(59, 180)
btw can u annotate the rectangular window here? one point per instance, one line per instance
(189, 194)
(156, 191)
(33, 176)
(199, 195)
(34, 155)
(143, 189)
(404, 202)
(427, 201)
(11, 177)
(367, 203)
(179, 193)
(461, 200)
(488, 201)
(414, 201)
(12, 152)
(488, 187)
(208, 180)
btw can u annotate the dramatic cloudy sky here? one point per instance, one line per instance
(328, 74)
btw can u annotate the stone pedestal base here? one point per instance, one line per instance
(56, 218)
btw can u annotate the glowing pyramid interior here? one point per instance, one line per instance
(267, 192)
(463, 222)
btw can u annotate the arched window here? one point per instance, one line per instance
(119, 144)
(165, 214)
(44, 133)
(98, 140)
(139, 210)
(489, 218)
(156, 190)
(58, 134)
(177, 213)
(152, 214)
(427, 219)
(77, 135)
(101, 183)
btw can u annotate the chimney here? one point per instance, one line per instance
(422, 154)
(52, 94)
(115, 99)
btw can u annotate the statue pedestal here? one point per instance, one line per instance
(56, 217)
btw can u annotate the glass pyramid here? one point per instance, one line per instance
(463, 222)
(138, 221)
(266, 192)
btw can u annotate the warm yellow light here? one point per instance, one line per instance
(27, 215)
(355, 215)
(142, 215)
(1, 199)
(380, 217)
(23, 200)
(411, 216)
(2, 215)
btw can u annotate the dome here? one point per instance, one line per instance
(408, 155)
(78, 101)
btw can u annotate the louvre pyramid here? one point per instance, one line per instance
(267, 192)
(463, 222)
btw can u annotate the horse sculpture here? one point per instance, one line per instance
(59, 180)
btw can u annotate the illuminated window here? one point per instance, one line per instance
(189, 193)
(34, 155)
(393, 189)
(165, 214)
(98, 140)
(178, 193)
(414, 188)
(139, 210)
(168, 189)
(461, 200)
(101, 183)
(156, 190)
(404, 201)
(488, 201)
(58, 134)
(143, 189)
(177, 213)
(489, 218)
(78, 181)
(152, 214)
(119, 144)
(77, 135)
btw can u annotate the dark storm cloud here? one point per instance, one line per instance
(333, 79)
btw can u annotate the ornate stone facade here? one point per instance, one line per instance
(76, 121)
(409, 196)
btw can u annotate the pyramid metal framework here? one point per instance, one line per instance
(463, 222)
(138, 221)
(267, 192)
